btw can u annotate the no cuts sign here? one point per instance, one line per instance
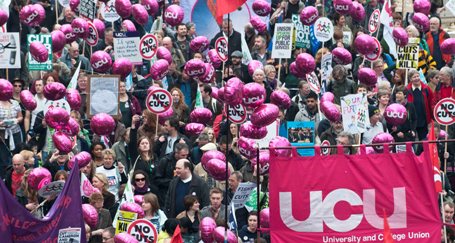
(159, 101)
(143, 230)
(444, 111)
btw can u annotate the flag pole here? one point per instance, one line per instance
(258, 194)
(445, 151)
(227, 142)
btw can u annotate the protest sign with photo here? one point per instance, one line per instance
(126, 45)
(104, 95)
(10, 54)
(282, 41)
(34, 65)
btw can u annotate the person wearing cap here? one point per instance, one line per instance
(375, 127)
(196, 151)
(240, 69)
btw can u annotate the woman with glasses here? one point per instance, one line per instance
(140, 182)
(152, 211)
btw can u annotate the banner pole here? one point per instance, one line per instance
(442, 212)
(157, 124)
(227, 175)
(56, 12)
(7, 76)
(258, 198)
(406, 77)
(445, 151)
(279, 69)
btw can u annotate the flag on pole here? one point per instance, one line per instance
(198, 103)
(128, 196)
(73, 82)
(232, 219)
(246, 52)
(435, 160)
(387, 233)
(387, 20)
(226, 6)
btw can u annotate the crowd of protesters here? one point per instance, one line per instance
(165, 161)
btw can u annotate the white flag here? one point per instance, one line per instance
(73, 82)
(246, 52)
(128, 196)
(387, 20)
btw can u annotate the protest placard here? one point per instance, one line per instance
(126, 45)
(109, 12)
(301, 33)
(354, 110)
(104, 95)
(242, 194)
(10, 53)
(124, 220)
(69, 235)
(301, 133)
(282, 41)
(408, 56)
(87, 9)
(34, 65)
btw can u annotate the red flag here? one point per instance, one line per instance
(387, 233)
(226, 6)
(435, 160)
(177, 237)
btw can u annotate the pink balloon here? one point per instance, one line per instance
(249, 130)
(68, 31)
(194, 129)
(357, 11)
(123, 8)
(139, 199)
(367, 76)
(58, 40)
(442, 134)
(140, 14)
(365, 44)
(207, 77)
(265, 115)
(343, 7)
(214, 58)
(201, 115)
(280, 99)
(199, 44)
(218, 235)
(395, 114)
(80, 27)
(233, 91)
(264, 215)
(382, 138)
(309, 15)
(28, 100)
(173, 15)
(305, 62)
(253, 95)
(3, 17)
(6, 90)
(328, 96)
(74, 5)
(100, 27)
(134, 208)
(331, 111)
(212, 154)
(73, 98)
(102, 124)
(448, 46)
(128, 25)
(62, 142)
(264, 159)
(422, 6)
(217, 169)
(421, 22)
(90, 215)
(214, 92)
(163, 53)
(341, 56)
(220, 95)
(194, 67)
(370, 150)
(296, 71)
(258, 24)
(125, 238)
(151, 6)
(280, 142)
(72, 128)
(253, 65)
(83, 159)
(261, 8)
(247, 147)
(206, 227)
(32, 15)
(54, 91)
(39, 52)
(400, 36)
(122, 67)
(159, 69)
(101, 61)
(165, 116)
(38, 178)
(56, 117)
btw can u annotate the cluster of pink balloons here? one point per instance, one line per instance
(214, 162)
(329, 109)
(38, 178)
(211, 233)
(199, 117)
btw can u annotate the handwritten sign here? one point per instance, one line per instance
(282, 41)
(242, 194)
(126, 45)
(354, 110)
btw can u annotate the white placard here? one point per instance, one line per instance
(126, 45)
(242, 194)
(354, 110)
(282, 41)
(10, 54)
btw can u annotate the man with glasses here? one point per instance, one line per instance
(73, 58)
(108, 235)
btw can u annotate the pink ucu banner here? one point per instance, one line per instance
(343, 198)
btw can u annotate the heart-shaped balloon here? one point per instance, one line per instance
(233, 91)
(206, 227)
(343, 7)
(253, 65)
(421, 22)
(163, 53)
(400, 36)
(357, 11)
(217, 169)
(341, 56)
(101, 61)
(253, 95)
(280, 99)
(122, 67)
(128, 25)
(165, 116)
(151, 6)
(140, 14)
(73, 98)
(258, 24)
(247, 147)
(331, 111)
(201, 115)
(261, 8)
(83, 159)
(72, 128)
(264, 159)
(38, 178)
(102, 124)
(194, 67)
(365, 44)
(32, 15)
(74, 5)
(305, 62)
(199, 44)
(296, 71)
(139, 199)
(3, 17)
(367, 76)
(422, 6)
(100, 27)
(80, 27)
(328, 96)
(218, 235)
(159, 69)
(309, 15)
(249, 130)
(264, 215)
(281, 145)
(214, 58)
(58, 40)
(194, 129)
(208, 76)
(125, 238)
(56, 117)
(90, 215)
(173, 15)
(448, 46)
(62, 142)
(6, 90)
(134, 208)
(395, 114)
(28, 100)
(68, 31)
(382, 138)
(212, 154)
(265, 115)
(54, 91)
(39, 52)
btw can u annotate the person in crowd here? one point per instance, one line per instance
(108, 235)
(192, 217)
(121, 150)
(181, 110)
(140, 183)
(196, 152)
(61, 175)
(14, 176)
(216, 210)
(248, 232)
(239, 69)
(426, 61)
(340, 24)
(448, 211)
(260, 52)
(346, 139)
(383, 97)
(445, 88)
(83, 142)
(339, 85)
(10, 129)
(88, 232)
(57, 162)
(96, 150)
(259, 77)
(433, 79)
(304, 91)
(182, 40)
(104, 217)
(73, 58)
(235, 38)
(232, 157)
(68, 16)
(148, 124)
(271, 77)
(250, 36)
(336, 127)
(177, 56)
(152, 211)
(208, 102)
(30, 116)
(406, 131)
(101, 183)
(434, 38)
(375, 127)
(115, 174)
(241, 214)
(82, 87)
(310, 111)
(167, 232)
(129, 105)
(166, 144)
(89, 170)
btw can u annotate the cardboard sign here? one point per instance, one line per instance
(282, 41)
(34, 65)
(126, 45)
(221, 47)
(64, 3)
(444, 111)
(93, 36)
(301, 33)
(104, 95)
(144, 231)
(237, 113)
(10, 53)
(323, 29)
(242, 194)
(148, 46)
(326, 68)
(354, 110)
(124, 220)
(373, 23)
(159, 101)
(408, 56)
(108, 11)
(87, 9)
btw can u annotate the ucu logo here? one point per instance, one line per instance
(170, 15)
(261, 12)
(342, 7)
(69, 36)
(244, 152)
(196, 72)
(78, 30)
(311, 18)
(251, 100)
(394, 114)
(147, 7)
(31, 17)
(100, 63)
(322, 211)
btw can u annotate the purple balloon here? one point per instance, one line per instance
(247, 147)
(422, 6)
(367, 76)
(123, 8)
(72, 128)
(218, 235)
(395, 114)
(448, 46)
(80, 27)
(341, 56)
(163, 53)
(264, 215)
(125, 238)
(3, 17)
(214, 92)
(73, 98)
(264, 159)
(128, 25)
(265, 115)
(199, 44)
(100, 27)
(74, 5)
(277, 142)
(102, 124)
(165, 116)
(57, 117)
(365, 44)
(39, 52)
(134, 208)
(261, 8)
(62, 142)
(68, 31)
(296, 71)
(140, 14)
(214, 58)
(206, 227)
(54, 91)
(201, 115)
(173, 15)
(233, 91)
(90, 215)
(208, 75)
(305, 62)
(151, 6)
(194, 129)
(253, 95)
(139, 199)
(122, 67)
(331, 111)
(101, 61)
(382, 138)
(217, 169)
(343, 7)
(309, 15)
(220, 95)
(328, 96)
(421, 22)
(58, 40)
(357, 11)
(258, 24)
(28, 100)
(38, 178)
(280, 99)
(249, 130)
(159, 69)
(253, 65)
(83, 159)
(212, 154)
(400, 36)
(194, 67)
(32, 15)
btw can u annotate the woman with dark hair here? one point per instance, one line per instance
(248, 233)
(51, 77)
(168, 231)
(148, 125)
(152, 211)
(129, 105)
(191, 216)
(140, 182)
(181, 110)
(96, 151)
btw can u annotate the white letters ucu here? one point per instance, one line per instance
(322, 211)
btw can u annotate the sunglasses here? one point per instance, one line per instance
(139, 179)
(16, 85)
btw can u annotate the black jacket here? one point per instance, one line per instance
(160, 147)
(234, 42)
(164, 175)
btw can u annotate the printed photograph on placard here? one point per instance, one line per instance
(301, 134)
(104, 95)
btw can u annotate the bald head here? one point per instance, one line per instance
(183, 168)
(18, 163)
(167, 42)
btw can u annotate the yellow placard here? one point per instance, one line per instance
(408, 56)
(123, 221)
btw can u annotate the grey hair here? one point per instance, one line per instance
(447, 71)
(348, 135)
